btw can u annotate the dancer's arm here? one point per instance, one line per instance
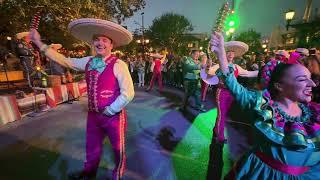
(122, 74)
(246, 73)
(74, 63)
(245, 97)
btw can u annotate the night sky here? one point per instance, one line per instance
(261, 15)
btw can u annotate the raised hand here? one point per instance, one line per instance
(217, 46)
(217, 43)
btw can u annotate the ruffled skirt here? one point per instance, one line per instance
(251, 167)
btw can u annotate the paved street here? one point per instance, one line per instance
(161, 143)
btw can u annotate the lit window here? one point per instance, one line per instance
(290, 41)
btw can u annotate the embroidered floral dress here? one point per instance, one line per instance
(285, 147)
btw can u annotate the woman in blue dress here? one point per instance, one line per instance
(286, 122)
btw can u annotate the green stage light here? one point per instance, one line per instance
(191, 156)
(231, 23)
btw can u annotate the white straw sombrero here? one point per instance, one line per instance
(85, 28)
(303, 51)
(238, 47)
(283, 53)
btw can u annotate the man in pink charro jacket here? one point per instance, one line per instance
(110, 89)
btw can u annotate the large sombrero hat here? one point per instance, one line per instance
(303, 51)
(55, 46)
(156, 55)
(85, 28)
(283, 53)
(238, 47)
(22, 35)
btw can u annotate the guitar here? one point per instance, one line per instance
(204, 73)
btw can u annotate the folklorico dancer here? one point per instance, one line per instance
(158, 61)
(192, 86)
(285, 121)
(223, 100)
(106, 116)
(223, 96)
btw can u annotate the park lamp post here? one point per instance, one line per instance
(143, 43)
(289, 16)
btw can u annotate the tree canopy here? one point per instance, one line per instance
(171, 31)
(16, 15)
(252, 38)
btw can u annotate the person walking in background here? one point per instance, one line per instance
(179, 73)
(191, 84)
(172, 70)
(158, 60)
(204, 85)
(148, 70)
(140, 66)
(313, 64)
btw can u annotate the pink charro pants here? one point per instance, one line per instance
(98, 127)
(204, 89)
(158, 76)
(224, 100)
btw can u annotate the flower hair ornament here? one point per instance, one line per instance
(294, 58)
(267, 71)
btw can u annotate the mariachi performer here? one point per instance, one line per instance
(106, 101)
(158, 61)
(192, 86)
(224, 101)
(223, 96)
(285, 121)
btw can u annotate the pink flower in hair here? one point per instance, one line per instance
(267, 71)
(294, 58)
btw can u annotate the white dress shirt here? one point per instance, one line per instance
(120, 71)
(242, 72)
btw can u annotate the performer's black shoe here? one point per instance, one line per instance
(81, 175)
